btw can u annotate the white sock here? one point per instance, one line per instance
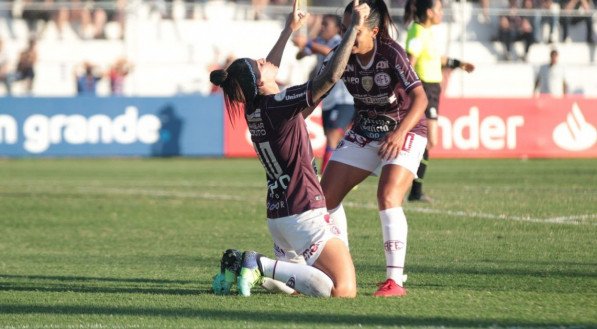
(395, 230)
(276, 286)
(338, 218)
(303, 278)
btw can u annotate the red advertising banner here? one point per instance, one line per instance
(505, 128)
(483, 128)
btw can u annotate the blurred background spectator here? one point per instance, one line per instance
(5, 76)
(577, 11)
(87, 77)
(551, 78)
(516, 27)
(26, 65)
(117, 73)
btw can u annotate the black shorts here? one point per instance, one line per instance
(339, 116)
(433, 91)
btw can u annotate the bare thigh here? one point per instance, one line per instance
(336, 262)
(338, 179)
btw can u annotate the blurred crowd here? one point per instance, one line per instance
(527, 22)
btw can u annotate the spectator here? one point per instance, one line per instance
(5, 77)
(117, 73)
(87, 81)
(26, 65)
(551, 78)
(513, 27)
(576, 11)
(36, 14)
(550, 19)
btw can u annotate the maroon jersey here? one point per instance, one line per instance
(380, 90)
(280, 138)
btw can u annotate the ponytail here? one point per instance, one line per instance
(238, 82)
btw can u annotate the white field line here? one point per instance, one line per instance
(577, 219)
(473, 214)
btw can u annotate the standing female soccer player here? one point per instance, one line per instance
(388, 132)
(338, 106)
(424, 56)
(297, 217)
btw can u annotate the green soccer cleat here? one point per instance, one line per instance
(250, 274)
(229, 270)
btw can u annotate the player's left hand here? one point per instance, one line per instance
(297, 18)
(391, 145)
(468, 67)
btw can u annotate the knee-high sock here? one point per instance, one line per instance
(303, 278)
(338, 218)
(417, 188)
(395, 231)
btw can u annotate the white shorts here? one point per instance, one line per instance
(366, 156)
(301, 236)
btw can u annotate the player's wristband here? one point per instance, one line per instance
(453, 63)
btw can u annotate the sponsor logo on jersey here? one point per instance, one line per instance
(280, 96)
(349, 68)
(367, 82)
(374, 125)
(575, 134)
(382, 79)
(382, 65)
(295, 96)
(375, 100)
(393, 245)
(351, 80)
(402, 75)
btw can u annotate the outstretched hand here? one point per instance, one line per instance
(297, 18)
(360, 12)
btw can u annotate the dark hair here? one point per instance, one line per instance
(378, 17)
(417, 10)
(238, 84)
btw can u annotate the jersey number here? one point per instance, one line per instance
(271, 165)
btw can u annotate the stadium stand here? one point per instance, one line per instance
(172, 46)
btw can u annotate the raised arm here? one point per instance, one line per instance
(334, 70)
(294, 22)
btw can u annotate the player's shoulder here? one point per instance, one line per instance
(390, 49)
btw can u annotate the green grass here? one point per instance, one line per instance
(133, 243)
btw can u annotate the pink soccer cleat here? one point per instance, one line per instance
(389, 288)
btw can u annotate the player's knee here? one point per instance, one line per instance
(345, 289)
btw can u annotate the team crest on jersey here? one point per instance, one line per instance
(280, 96)
(367, 82)
(382, 65)
(382, 79)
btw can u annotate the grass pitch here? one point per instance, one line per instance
(133, 243)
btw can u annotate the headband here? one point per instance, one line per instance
(253, 75)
